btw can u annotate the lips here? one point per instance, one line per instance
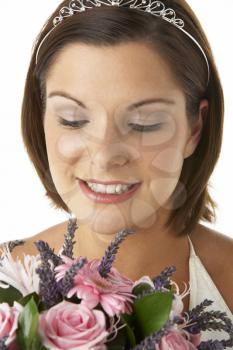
(113, 182)
(105, 197)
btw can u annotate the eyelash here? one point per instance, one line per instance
(136, 127)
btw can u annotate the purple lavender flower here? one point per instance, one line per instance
(67, 281)
(211, 345)
(15, 243)
(48, 288)
(149, 342)
(163, 279)
(69, 243)
(109, 257)
(46, 253)
(11, 245)
(207, 321)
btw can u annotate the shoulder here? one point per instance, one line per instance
(53, 235)
(214, 246)
(215, 250)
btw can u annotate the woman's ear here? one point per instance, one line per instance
(196, 131)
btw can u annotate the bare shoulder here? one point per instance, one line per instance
(215, 250)
(214, 246)
(53, 235)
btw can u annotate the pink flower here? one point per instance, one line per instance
(174, 340)
(9, 323)
(113, 293)
(195, 339)
(69, 326)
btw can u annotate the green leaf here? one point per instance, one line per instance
(40, 305)
(151, 312)
(129, 320)
(120, 342)
(9, 295)
(23, 301)
(37, 344)
(28, 324)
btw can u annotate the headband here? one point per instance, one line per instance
(156, 8)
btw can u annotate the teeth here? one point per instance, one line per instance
(111, 189)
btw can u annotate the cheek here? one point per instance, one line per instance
(169, 160)
(70, 146)
(63, 146)
(162, 188)
(163, 168)
(164, 173)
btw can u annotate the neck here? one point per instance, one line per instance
(145, 252)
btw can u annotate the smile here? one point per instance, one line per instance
(100, 193)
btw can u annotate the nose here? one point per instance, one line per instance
(110, 150)
(114, 155)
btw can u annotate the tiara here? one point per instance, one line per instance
(156, 8)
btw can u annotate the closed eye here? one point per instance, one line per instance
(77, 124)
(145, 128)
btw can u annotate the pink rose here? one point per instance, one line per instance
(9, 323)
(174, 340)
(113, 292)
(69, 326)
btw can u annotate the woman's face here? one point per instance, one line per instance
(107, 145)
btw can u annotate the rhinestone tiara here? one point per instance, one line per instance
(155, 8)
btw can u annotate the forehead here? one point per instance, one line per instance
(125, 72)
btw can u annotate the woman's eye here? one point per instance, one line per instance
(145, 128)
(76, 124)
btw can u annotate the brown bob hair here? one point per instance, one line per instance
(111, 25)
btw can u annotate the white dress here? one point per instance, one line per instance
(203, 287)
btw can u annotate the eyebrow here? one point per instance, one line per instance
(129, 108)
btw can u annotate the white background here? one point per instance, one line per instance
(24, 209)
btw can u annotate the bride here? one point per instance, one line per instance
(122, 117)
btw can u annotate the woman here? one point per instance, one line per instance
(114, 96)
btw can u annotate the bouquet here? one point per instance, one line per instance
(51, 301)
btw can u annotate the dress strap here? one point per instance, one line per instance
(192, 250)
